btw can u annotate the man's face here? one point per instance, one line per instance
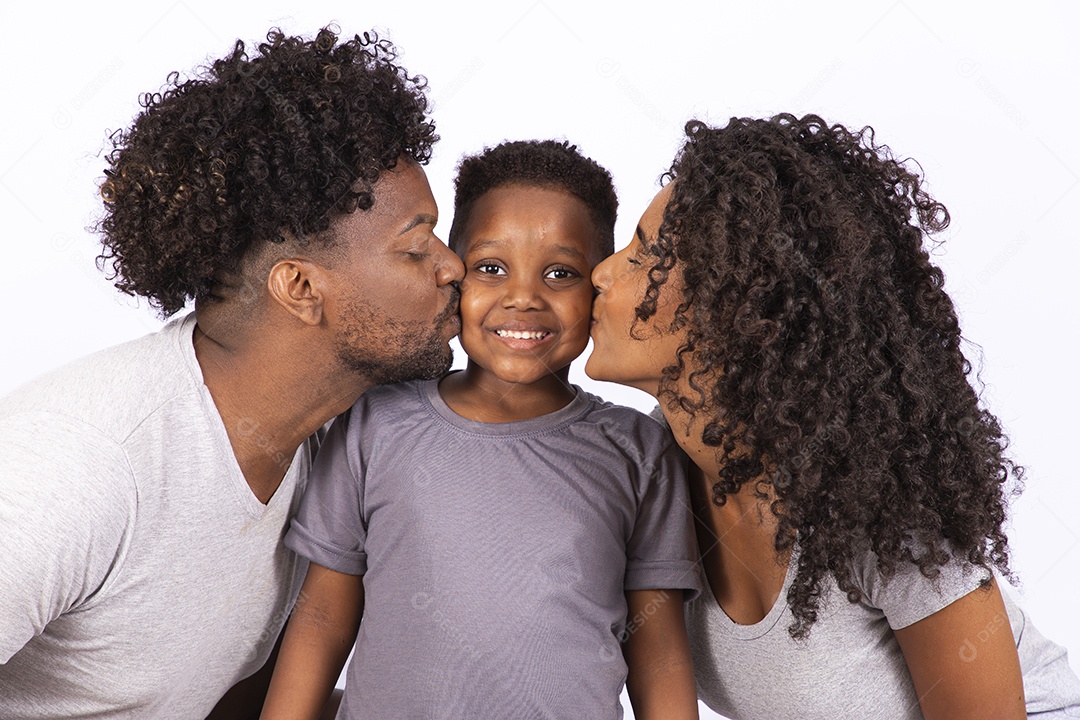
(395, 296)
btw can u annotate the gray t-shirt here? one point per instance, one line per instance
(851, 665)
(140, 577)
(495, 556)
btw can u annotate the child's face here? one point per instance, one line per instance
(526, 300)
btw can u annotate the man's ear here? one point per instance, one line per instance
(298, 286)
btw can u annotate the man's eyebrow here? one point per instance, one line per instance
(421, 219)
(640, 235)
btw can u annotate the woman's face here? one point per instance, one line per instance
(620, 281)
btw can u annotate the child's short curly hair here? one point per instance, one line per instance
(541, 163)
(250, 149)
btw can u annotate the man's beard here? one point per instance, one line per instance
(384, 350)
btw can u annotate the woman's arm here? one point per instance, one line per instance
(963, 660)
(660, 677)
(318, 637)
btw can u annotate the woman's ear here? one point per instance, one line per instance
(298, 285)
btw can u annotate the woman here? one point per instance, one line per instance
(778, 300)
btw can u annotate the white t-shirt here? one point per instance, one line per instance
(140, 577)
(851, 665)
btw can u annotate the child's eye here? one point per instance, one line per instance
(560, 273)
(490, 268)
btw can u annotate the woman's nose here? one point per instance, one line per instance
(601, 275)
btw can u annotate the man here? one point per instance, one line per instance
(145, 490)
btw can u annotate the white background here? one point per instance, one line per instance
(985, 99)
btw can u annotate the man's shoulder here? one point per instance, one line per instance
(111, 390)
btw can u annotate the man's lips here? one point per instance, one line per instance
(449, 316)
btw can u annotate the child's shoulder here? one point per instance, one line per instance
(625, 423)
(403, 396)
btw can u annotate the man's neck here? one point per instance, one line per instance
(272, 392)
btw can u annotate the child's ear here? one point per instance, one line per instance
(298, 286)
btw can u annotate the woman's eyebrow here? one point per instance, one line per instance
(641, 238)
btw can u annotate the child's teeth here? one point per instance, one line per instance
(520, 335)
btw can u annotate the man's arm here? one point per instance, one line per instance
(67, 508)
(660, 674)
(963, 660)
(317, 640)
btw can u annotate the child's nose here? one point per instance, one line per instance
(521, 293)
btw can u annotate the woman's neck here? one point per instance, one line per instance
(737, 541)
(737, 538)
(688, 430)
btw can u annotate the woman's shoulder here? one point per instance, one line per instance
(906, 593)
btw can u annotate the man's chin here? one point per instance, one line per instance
(427, 363)
(451, 328)
(443, 367)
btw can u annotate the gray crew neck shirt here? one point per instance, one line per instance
(495, 557)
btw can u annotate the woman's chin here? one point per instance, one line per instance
(605, 372)
(592, 371)
(598, 367)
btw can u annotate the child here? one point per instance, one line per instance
(499, 530)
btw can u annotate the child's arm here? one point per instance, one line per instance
(963, 659)
(660, 677)
(318, 637)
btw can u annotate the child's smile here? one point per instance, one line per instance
(520, 336)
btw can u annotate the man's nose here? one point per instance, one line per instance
(448, 266)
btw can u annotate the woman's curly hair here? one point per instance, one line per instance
(541, 163)
(824, 353)
(250, 149)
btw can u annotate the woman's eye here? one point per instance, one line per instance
(633, 260)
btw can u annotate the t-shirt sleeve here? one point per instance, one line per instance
(67, 509)
(909, 596)
(329, 527)
(662, 551)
